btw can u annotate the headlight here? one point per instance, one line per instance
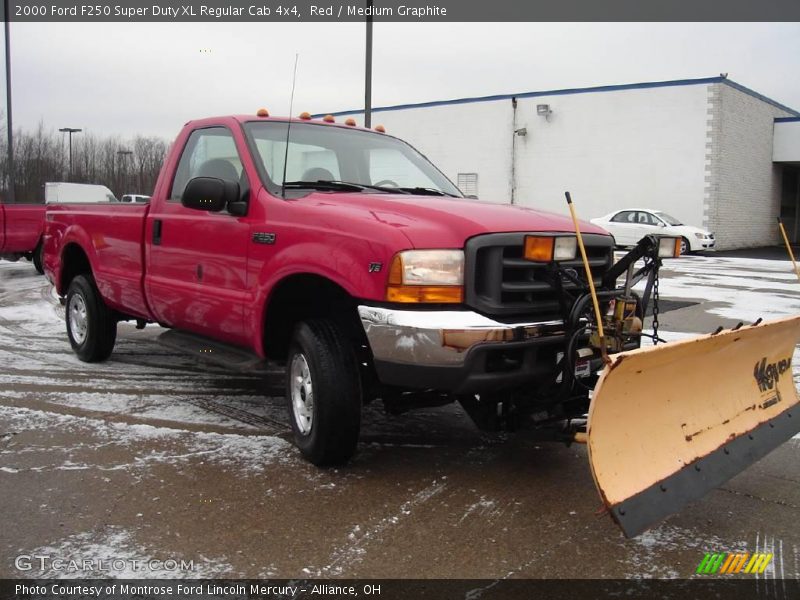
(701, 236)
(433, 276)
(669, 247)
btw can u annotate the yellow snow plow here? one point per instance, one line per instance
(669, 423)
(664, 423)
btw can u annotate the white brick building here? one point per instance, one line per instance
(709, 151)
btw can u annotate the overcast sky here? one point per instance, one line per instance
(150, 78)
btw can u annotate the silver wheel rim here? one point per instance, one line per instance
(684, 246)
(302, 389)
(76, 312)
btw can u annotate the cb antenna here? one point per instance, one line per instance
(289, 128)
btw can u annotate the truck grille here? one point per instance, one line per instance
(499, 281)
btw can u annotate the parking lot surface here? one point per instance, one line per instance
(175, 450)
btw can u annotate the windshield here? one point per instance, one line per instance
(353, 159)
(668, 219)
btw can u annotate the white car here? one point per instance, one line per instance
(630, 225)
(135, 199)
(59, 192)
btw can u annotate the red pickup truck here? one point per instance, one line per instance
(347, 255)
(21, 232)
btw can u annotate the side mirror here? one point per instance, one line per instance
(661, 225)
(209, 193)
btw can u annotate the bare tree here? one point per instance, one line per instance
(124, 166)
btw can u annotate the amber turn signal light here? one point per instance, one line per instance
(430, 294)
(539, 249)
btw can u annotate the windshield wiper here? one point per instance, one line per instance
(426, 191)
(341, 186)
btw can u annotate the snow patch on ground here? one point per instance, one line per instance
(652, 544)
(114, 554)
(746, 289)
(251, 454)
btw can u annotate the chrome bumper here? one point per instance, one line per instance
(441, 338)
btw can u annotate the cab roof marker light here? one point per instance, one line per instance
(306, 116)
(350, 121)
(380, 128)
(329, 119)
(262, 112)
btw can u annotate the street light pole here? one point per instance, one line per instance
(70, 131)
(10, 134)
(368, 70)
(126, 154)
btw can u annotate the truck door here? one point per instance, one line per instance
(196, 265)
(2, 226)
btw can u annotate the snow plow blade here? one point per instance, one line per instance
(669, 423)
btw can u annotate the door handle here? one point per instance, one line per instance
(157, 232)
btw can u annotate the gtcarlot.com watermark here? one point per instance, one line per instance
(47, 563)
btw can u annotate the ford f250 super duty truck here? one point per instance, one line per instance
(21, 232)
(343, 253)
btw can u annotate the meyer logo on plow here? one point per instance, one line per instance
(767, 376)
(729, 563)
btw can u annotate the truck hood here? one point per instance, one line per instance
(443, 222)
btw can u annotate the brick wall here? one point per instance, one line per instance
(742, 192)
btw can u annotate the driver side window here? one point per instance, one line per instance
(209, 152)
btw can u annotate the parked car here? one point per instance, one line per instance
(135, 199)
(60, 192)
(629, 225)
(21, 232)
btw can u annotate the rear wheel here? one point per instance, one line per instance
(323, 392)
(37, 258)
(91, 326)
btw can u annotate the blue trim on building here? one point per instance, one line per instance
(787, 119)
(567, 91)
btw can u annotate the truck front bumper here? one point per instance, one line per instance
(458, 351)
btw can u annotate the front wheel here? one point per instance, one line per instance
(686, 248)
(91, 326)
(323, 392)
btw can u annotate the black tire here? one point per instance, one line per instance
(686, 248)
(37, 258)
(330, 436)
(91, 326)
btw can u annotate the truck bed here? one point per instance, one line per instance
(112, 236)
(21, 227)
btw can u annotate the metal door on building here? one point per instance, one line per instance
(790, 201)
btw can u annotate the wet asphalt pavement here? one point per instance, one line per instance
(176, 450)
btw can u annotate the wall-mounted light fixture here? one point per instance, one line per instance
(521, 132)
